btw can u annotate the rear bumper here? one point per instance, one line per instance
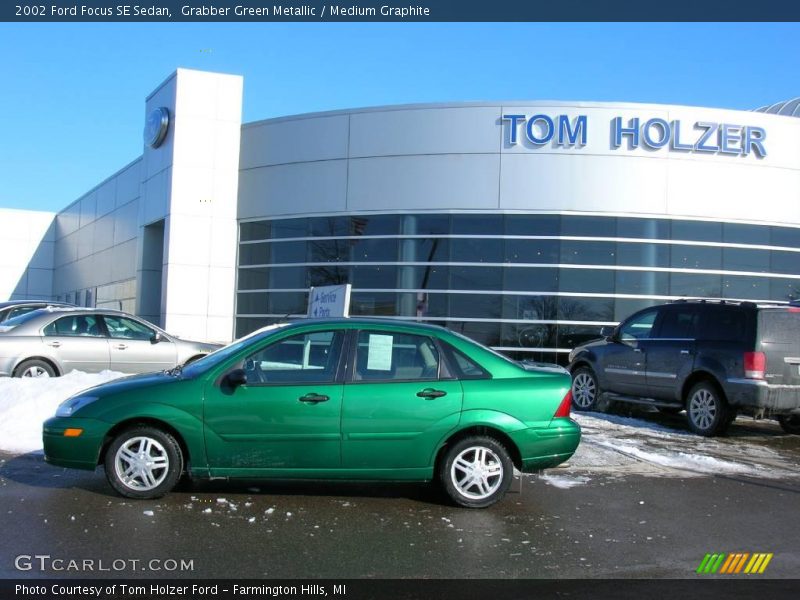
(758, 394)
(549, 447)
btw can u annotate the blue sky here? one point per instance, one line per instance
(72, 101)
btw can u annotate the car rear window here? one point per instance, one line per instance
(780, 326)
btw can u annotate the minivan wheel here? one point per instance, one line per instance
(790, 423)
(476, 472)
(143, 462)
(706, 410)
(585, 391)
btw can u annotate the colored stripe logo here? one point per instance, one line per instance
(735, 563)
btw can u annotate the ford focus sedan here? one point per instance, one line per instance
(51, 342)
(354, 399)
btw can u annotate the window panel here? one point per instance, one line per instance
(532, 251)
(745, 288)
(533, 225)
(696, 257)
(570, 336)
(425, 250)
(288, 252)
(475, 306)
(785, 262)
(692, 285)
(625, 307)
(254, 279)
(651, 229)
(531, 279)
(425, 224)
(529, 335)
(252, 303)
(476, 250)
(328, 275)
(379, 276)
(534, 308)
(585, 309)
(380, 304)
(375, 250)
(476, 278)
(328, 250)
(287, 278)
(289, 228)
(588, 226)
(642, 255)
(288, 303)
(247, 325)
(644, 283)
(737, 233)
(374, 225)
(486, 224)
(701, 231)
(255, 230)
(785, 236)
(254, 254)
(784, 289)
(329, 226)
(430, 277)
(740, 259)
(484, 333)
(588, 253)
(599, 281)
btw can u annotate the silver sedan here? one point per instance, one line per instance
(51, 342)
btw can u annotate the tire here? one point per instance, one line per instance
(489, 484)
(585, 391)
(790, 423)
(130, 450)
(35, 368)
(707, 411)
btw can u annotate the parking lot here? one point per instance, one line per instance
(642, 497)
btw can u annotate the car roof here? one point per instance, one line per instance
(8, 303)
(369, 322)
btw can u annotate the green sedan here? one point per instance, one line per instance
(356, 399)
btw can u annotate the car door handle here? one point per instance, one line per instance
(431, 393)
(686, 352)
(313, 398)
(54, 344)
(637, 349)
(121, 346)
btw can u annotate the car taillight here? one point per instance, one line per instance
(755, 363)
(566, 404)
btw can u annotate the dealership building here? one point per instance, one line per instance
(527, 225)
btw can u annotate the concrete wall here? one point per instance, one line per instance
(26, 254)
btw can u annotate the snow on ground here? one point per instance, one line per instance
(562, 481)
(26, 403)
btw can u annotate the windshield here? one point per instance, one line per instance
(210, 361)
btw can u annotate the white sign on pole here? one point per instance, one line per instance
(329, 301)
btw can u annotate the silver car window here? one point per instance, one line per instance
(75, 325)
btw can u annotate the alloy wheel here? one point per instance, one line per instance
(584, 390)
(477, 472)
(703, 408)
(141, 463)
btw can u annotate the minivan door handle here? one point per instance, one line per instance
(431, 393)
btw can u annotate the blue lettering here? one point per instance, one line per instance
(632, 130)
(754, 141)
(665, 133)
(729, 137)
(513, 120)
(676, 138)
(709, 130)
(565, 130)
(548, 131)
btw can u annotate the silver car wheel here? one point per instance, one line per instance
(477, 472)
(703, 409)
(141, 463)
(35, 371)
(584, 390)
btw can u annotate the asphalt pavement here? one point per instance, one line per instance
(615, 522)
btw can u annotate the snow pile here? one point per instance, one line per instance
(26, 403)
(563, 482)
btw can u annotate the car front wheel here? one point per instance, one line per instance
(706, 410)
(143, 462)
(476, 472)
(585, 391)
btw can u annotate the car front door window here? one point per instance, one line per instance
(300, 359)
(638, 328)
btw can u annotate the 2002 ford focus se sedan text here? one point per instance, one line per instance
(356, 399)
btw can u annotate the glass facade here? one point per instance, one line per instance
(532, 286)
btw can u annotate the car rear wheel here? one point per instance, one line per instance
(143, 462)
(585, 391)
(476, 472)
(35, 368)
(706, 410)
(790, 423)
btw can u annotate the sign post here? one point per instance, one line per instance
(329, 301)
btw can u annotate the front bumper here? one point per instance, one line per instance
(549, 447)
(81, 452)
(760, 395)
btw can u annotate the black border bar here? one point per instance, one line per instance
(698, 588)
(397, 11)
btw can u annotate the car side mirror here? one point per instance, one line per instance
(236, 378)
(607, 331)
(156, 337)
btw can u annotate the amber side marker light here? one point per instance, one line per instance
(72, 432)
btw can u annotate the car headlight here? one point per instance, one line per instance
(71, 405)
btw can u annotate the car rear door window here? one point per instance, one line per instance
(75, 325)
(391, 356)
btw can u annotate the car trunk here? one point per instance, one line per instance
(779, 340)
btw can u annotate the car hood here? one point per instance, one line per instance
(124, 384)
